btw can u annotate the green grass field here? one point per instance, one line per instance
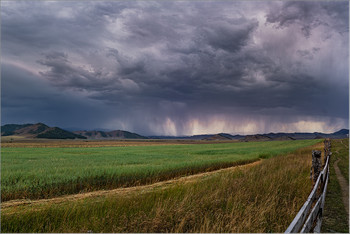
(48, 172)
(260, 198)
(335, 218)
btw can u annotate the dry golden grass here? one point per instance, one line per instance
(264, 198)
(17, 204)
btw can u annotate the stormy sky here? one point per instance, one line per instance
(176, 67)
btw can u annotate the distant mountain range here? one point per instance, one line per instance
(117, 134)
(41, 130)
(38, 130)
(344, 133)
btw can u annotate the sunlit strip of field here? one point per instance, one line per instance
(48, 172)
(262, 198)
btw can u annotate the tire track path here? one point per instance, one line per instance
(120, 191)
(344, 186)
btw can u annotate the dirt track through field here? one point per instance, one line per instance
(120, 191)
(344, 186)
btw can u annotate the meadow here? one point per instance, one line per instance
(34, 173)
(21, 142)
(335, 217)
(260, 198)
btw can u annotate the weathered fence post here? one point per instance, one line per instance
(327, 149)
(318, 194)
(316, 164)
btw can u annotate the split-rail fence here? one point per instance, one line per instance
(310, 221)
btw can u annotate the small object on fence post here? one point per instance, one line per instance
(316, 164)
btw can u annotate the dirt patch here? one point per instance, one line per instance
(344, 186)
(120, 191)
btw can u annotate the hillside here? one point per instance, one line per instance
(218, 137)
(257, 137)
(341, 134)
(284, 138)
(117, 134)
(58, 133)
(199, 137)
(9, 129)
(38, 130)
(41, 130)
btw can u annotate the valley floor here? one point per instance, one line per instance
(47, 172)
(262, 197)
(13, 205)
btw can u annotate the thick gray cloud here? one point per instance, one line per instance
(27, 99)
(309, 15)
(180, 67)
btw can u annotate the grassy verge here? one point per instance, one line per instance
(335, 218)
(48, 172)
(264, 198)
(342, 146)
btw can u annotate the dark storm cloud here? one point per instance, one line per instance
(184, 67)
(309, 15)
(38, 25)
(63, 73)
(25, 98)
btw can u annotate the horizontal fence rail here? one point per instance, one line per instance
(318, 194)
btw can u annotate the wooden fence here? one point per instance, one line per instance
(317, 197)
